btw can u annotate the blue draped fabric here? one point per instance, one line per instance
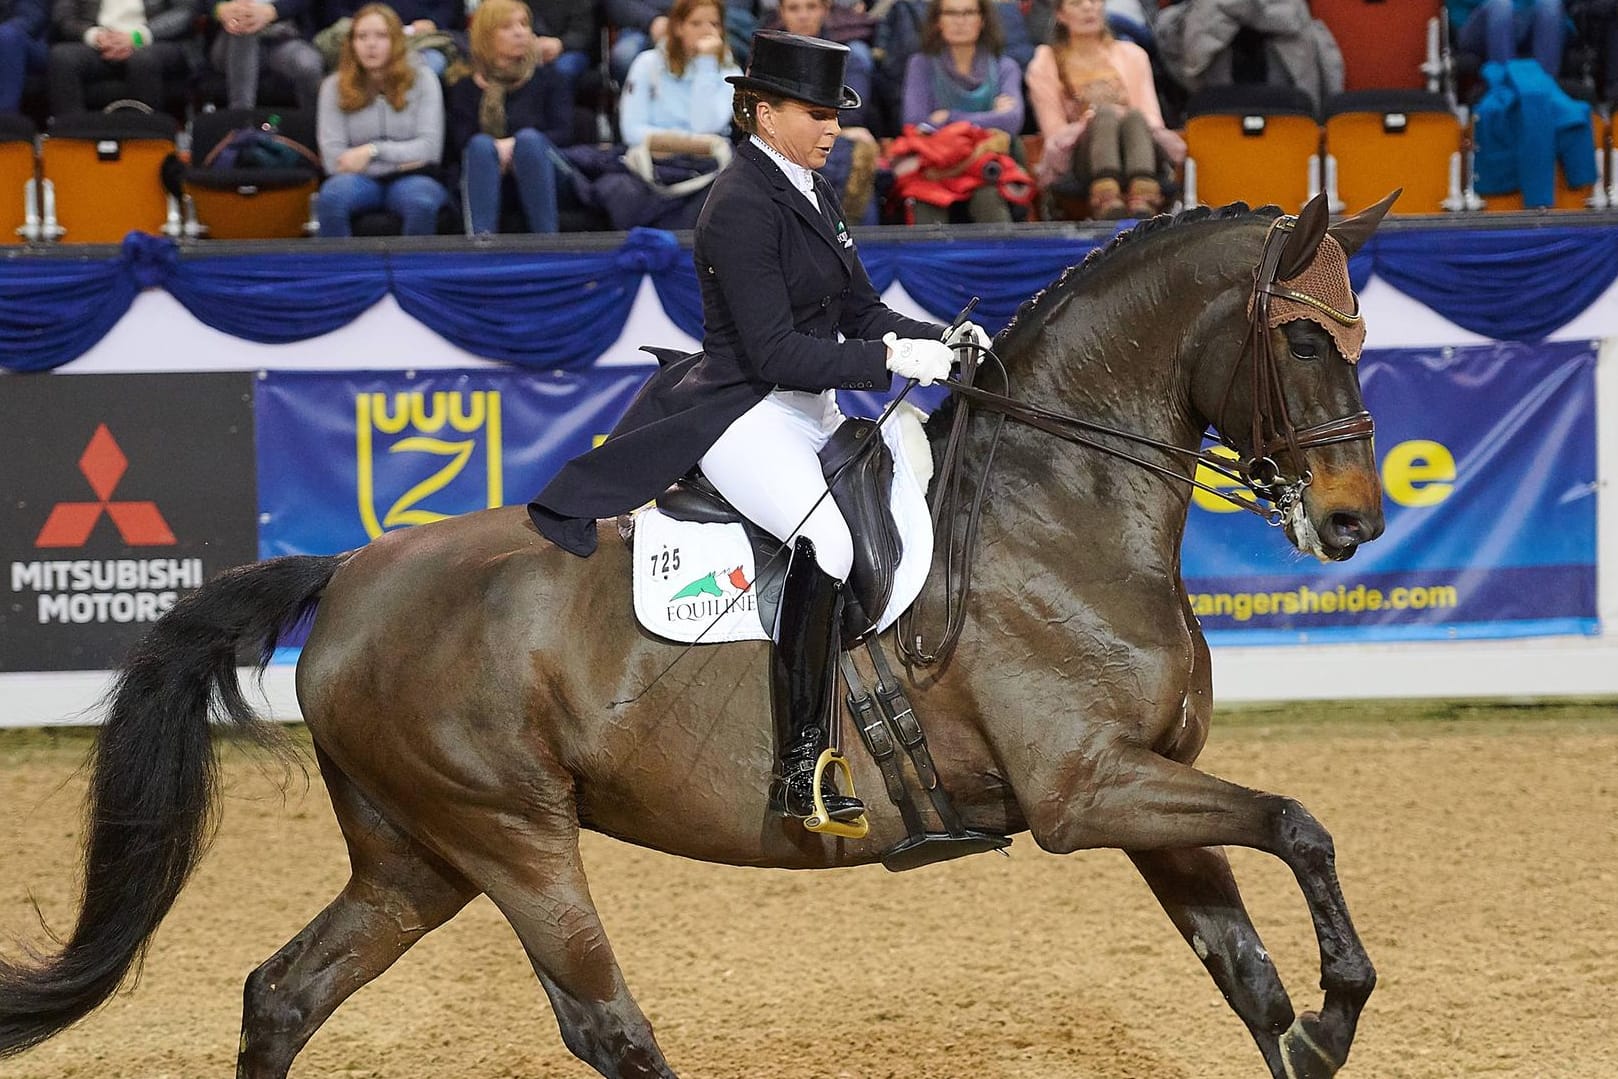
(563, 310)
(1510, 284)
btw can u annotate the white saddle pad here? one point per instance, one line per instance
(693, 580)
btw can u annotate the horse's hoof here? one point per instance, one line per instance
(1301, 1052)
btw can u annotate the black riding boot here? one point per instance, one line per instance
(804, 675)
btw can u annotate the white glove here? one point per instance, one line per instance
(968, 333)
(917, 358)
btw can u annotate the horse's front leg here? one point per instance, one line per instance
(1124, 796)
(1199, 894)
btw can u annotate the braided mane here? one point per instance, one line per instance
(1033, 310)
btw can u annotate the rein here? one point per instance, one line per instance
(1272, 432)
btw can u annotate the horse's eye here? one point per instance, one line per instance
(1306, 350)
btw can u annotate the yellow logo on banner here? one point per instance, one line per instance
(424, 415)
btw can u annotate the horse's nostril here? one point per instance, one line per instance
(1348, 528)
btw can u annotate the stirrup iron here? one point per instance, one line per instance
(821, 820)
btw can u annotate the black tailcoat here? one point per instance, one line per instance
(778, 284)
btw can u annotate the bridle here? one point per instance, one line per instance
(1271, 492)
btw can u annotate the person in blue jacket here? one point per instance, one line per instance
(22, 47)
(1502, 30)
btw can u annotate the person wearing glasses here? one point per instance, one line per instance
(790, 317)
(962, 75)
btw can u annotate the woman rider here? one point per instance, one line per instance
(789, 318)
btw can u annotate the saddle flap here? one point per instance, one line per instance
(860, 485)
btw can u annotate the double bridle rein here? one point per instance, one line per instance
(1271, 492)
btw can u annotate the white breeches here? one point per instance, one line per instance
(766, 464)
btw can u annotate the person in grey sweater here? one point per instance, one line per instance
(381, 130)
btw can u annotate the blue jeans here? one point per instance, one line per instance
(1497, 30)
(570, 65)
(533, 172)
(20, 55)
(416, 199)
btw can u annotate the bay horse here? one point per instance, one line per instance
(475, 696)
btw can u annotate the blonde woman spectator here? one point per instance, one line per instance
(506, 117)
(1097, 108)
(381, 130)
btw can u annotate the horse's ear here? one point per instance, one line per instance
(1304, 239)
(1352, 232)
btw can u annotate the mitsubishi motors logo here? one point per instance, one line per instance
(140, 524)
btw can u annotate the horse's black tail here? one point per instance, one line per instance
(152, 785)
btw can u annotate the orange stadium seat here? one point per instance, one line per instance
(1568, 198)
(17, 173)
(1254, 144)
(250, 203)
(1377, 140)
(105, 173)
(1383, 42)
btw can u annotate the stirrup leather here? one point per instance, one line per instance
(821, 820)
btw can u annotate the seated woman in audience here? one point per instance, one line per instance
(1502, 29)
(678, 88)
(963, 75)
(506, 117)
(1097, 107)
(252, 33)
(381, 130)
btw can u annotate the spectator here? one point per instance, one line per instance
(1097, 107)
(1500, 29)
(678, 88)
(138, 41)
(963, 75)
(430, 28)
(642, 24)
(1278, 42)
(250, 33)
(22, 47)
(506, 118)
(810, 18)
(381, 130)
(565, 35)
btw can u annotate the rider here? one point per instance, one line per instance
(789, 318)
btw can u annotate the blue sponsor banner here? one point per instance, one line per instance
(1488, 463)
(345, 457)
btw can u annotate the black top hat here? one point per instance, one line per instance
(801, 68)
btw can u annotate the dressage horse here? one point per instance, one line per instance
(476, 696)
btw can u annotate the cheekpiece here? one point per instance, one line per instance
(801, 68)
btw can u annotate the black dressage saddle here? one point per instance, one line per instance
(859, 471)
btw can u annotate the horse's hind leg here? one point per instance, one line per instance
(1199, 894)
(398, 892)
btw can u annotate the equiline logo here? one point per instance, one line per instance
(712, 595)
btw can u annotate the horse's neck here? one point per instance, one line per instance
(1111, 358)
